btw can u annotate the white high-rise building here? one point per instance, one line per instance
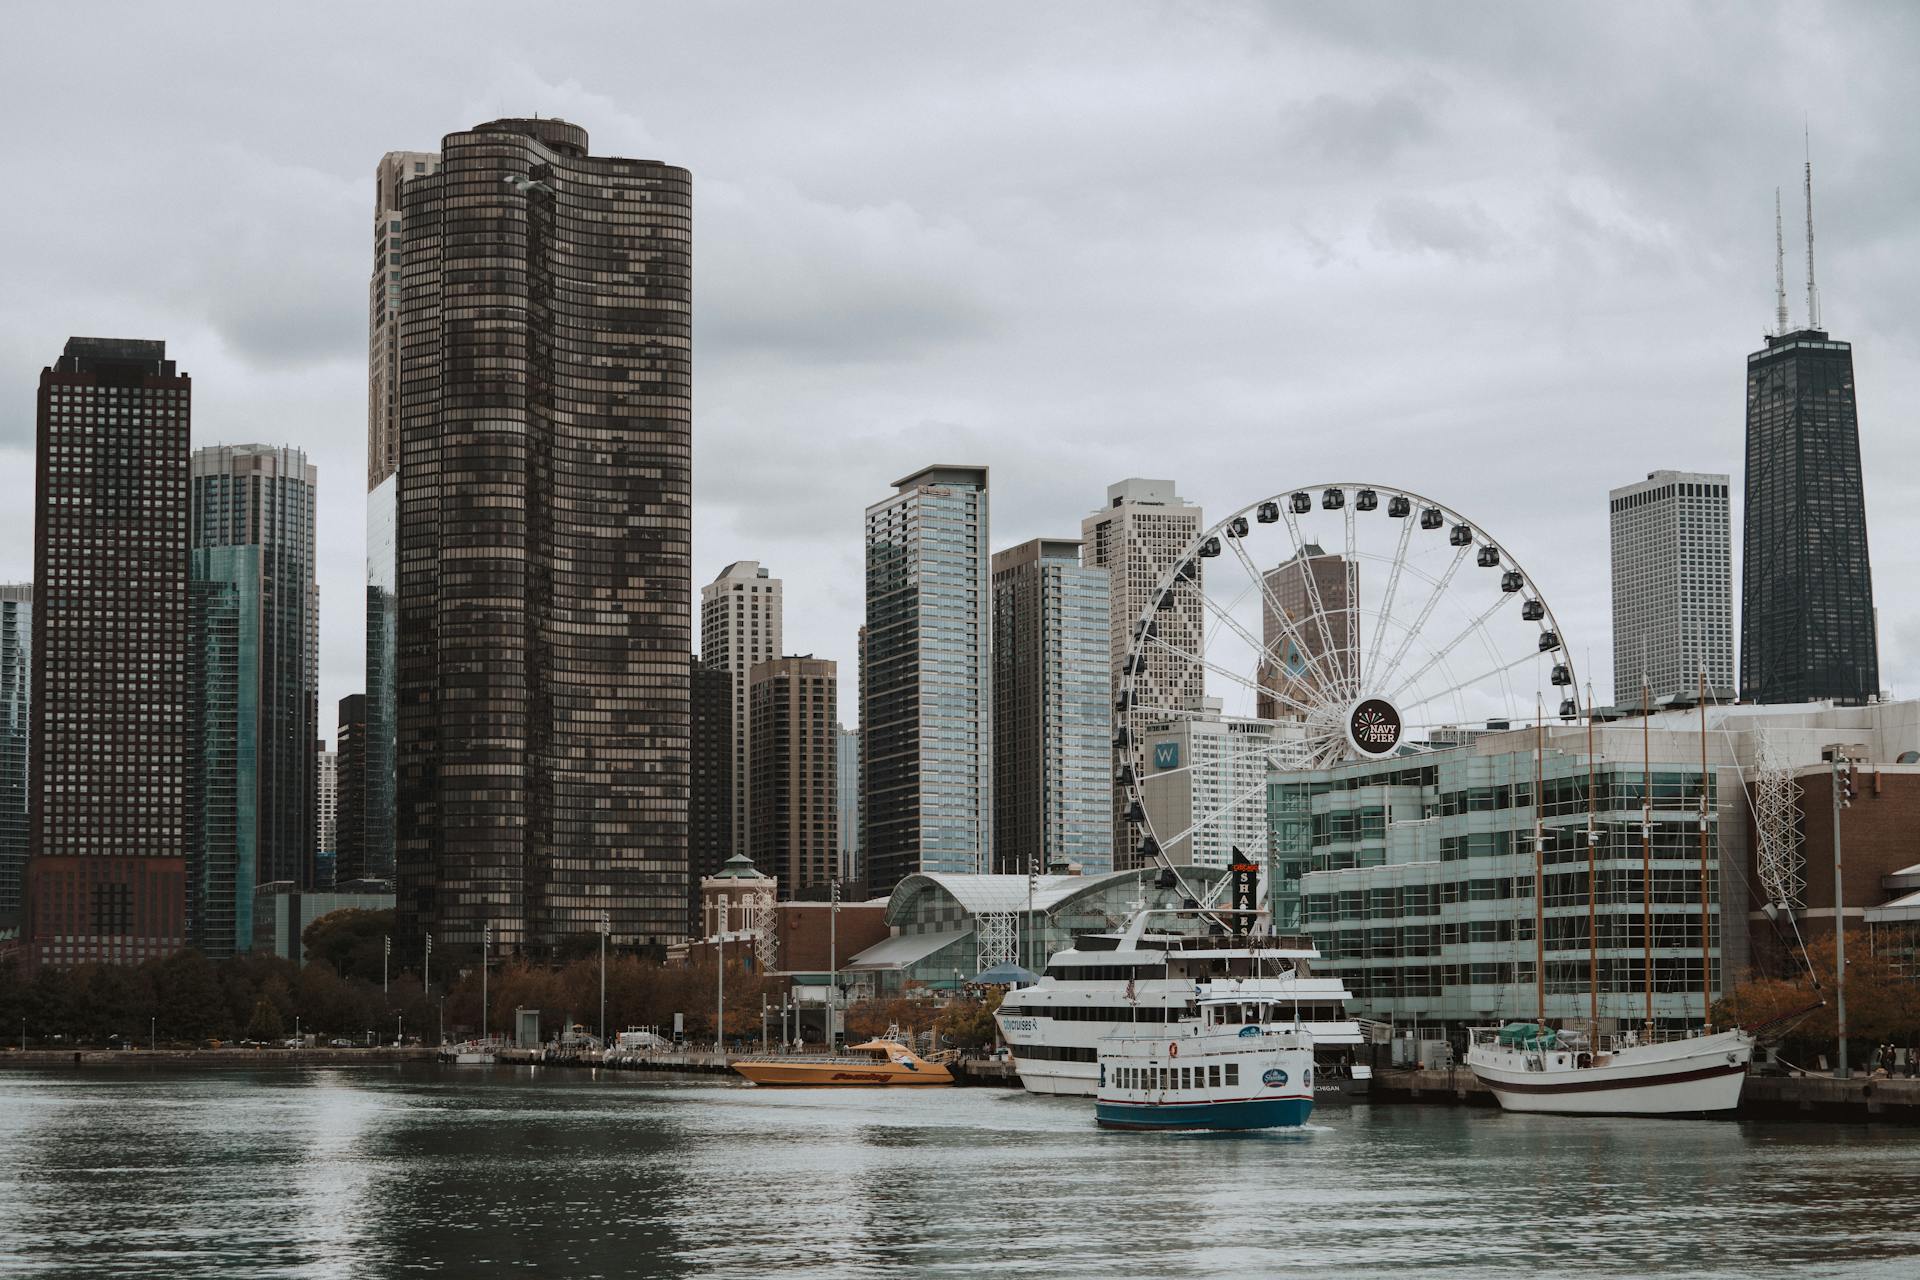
(739, 627)
(1205, 781)
(1672, 585)
(1137, 537)
(327, 797)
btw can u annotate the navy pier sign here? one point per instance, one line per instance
(1373, 727)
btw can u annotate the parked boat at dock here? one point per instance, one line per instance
(1153, 973)
(1230, 1068)
(877, 1062)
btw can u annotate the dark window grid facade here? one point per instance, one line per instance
(16, 701)
(1806, 619)
(542, 650)
(795, 763)
(109, 703)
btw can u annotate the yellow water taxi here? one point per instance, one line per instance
(877, 1062)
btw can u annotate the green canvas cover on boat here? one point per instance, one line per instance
(1526, 1035)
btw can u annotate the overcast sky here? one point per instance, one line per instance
(1509, 256)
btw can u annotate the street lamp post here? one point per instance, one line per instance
(153, 1035)
(386, 954)
(833, 964)
(398, 1038)
(486, 945)
(426, 972)
(720, 1014)
(605, 924)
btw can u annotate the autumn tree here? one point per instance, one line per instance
(1883, 1005)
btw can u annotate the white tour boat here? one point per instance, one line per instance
(1150, 976)
(1230, 1068)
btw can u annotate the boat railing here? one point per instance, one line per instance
(828, 1059)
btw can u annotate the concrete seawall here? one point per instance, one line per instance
(1857, 1100)
(213, 1058)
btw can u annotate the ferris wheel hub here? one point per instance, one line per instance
(1374, 727)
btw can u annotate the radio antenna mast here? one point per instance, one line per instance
(1779, 270)
(1813, 294)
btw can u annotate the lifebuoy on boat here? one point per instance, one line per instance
(1173, 1050)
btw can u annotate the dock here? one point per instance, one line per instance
(216, 1058)
(983, 1072)
(1858, 1100)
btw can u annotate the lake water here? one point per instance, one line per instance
(465, 1172)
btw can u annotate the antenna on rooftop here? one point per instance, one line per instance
(1779, 270)
(1813, 294)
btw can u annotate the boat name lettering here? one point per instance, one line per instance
(1019, 1024)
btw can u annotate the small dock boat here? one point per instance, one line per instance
(1227, 1069)
(877, 1062)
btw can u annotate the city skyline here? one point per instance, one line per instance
(852, 302)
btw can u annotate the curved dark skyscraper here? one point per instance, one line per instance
(544, 534)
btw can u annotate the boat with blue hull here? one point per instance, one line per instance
(1231, 1067)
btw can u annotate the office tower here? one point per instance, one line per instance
(253, 527)
(106, 879)
(795, 762)
(327, 804)
(1205, 776)
(384, 288)
(710, 794)
(926, 696)
(846, 782)
(16, 709)
(1806, 599)
(544, 539)
(740, 628)
(1052, 709)
(1137, 537)
(223, 756)
(1316, 655)
(350, 854)
(1672, 585)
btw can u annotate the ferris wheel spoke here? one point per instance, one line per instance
(1312, 581)
(1393, 587)
(1350, 584)
(1328, 678)
(1235, 626)
(1258, 789)
(1470, 683)
(1439, 656)
(1426, 611)
(1226, 673)
(1264, 751)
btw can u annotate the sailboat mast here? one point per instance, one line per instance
(1539, 864)
(1593, 886)
(1706, 950)
(1646, 841)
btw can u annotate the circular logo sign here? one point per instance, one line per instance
(1250, 1031)
(1306, 1078)
(1274, 1078)
(1373, 726)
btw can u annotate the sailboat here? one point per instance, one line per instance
(1531, 1067)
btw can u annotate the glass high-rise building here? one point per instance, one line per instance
(260, 499)
(545, 590)
(1806, 598)
(350, 786)
(224, 750)
(710, 791)
(106, 879)
(740, 618)
(16, 710)
(847, 790)
(926, 689)
(1052, 710)
(380, 718)
(1672, 586)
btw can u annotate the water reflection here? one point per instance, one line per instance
(462, 1172)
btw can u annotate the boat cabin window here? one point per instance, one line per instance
(1163, 1077)
(1213, 1076)
(1233, 1074)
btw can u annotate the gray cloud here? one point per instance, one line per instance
(1510, 256)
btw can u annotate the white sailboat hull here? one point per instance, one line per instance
(1678, 1077)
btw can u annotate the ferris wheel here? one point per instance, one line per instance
(1334, 623)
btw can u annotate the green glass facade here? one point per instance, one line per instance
(1419, 884)
(223, 755)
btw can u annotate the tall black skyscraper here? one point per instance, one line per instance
(1806, 615)
(545, 579)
